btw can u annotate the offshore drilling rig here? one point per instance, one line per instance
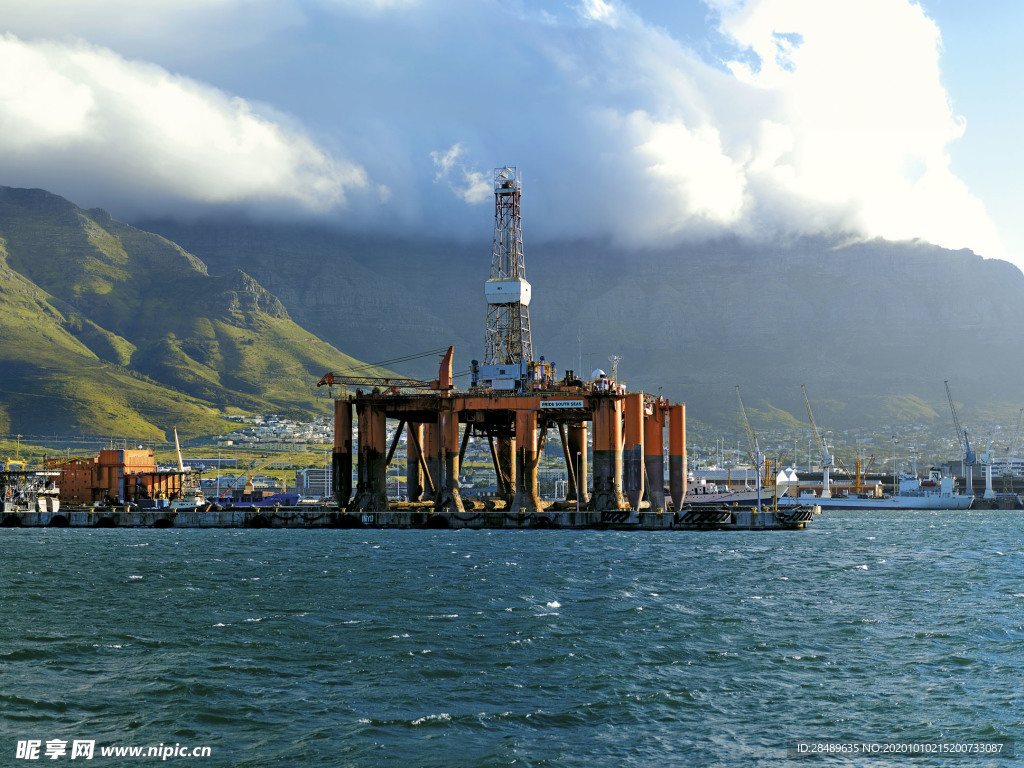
(513, 402)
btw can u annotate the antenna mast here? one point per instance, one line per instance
(507, 338)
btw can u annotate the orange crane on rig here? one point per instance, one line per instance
(394, 384)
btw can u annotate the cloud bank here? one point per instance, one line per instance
(786, 117)
(92, 119)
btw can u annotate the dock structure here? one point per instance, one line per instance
(410, 517)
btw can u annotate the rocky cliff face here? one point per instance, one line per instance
(108, 329)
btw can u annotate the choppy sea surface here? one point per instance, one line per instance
(525, 648)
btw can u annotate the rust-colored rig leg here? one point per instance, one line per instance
(677, 454)
(577, 439)
(431, 446)
(608, 456)
(633, 451)
(654, 455)
(341, 460)
(507, 481)
(371, 490)
(413, 474)
(449, 499)
(527, 497)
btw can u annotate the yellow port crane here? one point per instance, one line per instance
(755, 449)
(826, 458)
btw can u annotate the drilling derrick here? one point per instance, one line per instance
(507, 339)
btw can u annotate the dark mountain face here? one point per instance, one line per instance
(105, 328)
(873, 329)
(223, 315)
(212, 316)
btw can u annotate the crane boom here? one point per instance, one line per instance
(1012, 449)
(961, 433)
(393, 384)
(755, 450)
(330, 379)
(826, 458)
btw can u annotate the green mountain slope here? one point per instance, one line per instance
(106, 329)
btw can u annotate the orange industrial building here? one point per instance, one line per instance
(114, 476)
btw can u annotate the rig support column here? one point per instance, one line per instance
(608, 455)
(431, 446)
(577, 439)
(448, 497)
(341, 459)
(507, 468)
(527, 498)
(371, 491)
(654, 455)
(633, 451)
(677, 454)
(413, 476)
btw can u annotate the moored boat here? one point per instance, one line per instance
(936, 492)
(705, 494)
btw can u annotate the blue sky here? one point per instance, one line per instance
(641, 122)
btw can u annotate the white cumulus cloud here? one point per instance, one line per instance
(101, 121)
(826, 117)
(763, 118)
(866, 124)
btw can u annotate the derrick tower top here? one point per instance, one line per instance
(507, 338)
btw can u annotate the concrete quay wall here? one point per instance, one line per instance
(725, 518)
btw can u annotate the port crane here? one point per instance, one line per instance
(862, 469)
(755, 449)
(968, 454)
(1011, 453)
(827, 459)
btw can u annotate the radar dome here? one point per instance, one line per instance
(597, 374)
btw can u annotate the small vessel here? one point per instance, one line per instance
(701, 493)
(190, 498)
(936, 492)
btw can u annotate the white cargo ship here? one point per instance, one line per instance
(937, 492)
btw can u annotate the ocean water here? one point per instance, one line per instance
(516, 648)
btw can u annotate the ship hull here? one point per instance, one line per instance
(727, 498)
(885, 502)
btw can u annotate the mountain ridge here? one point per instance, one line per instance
(205, 318)
(105, 328)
